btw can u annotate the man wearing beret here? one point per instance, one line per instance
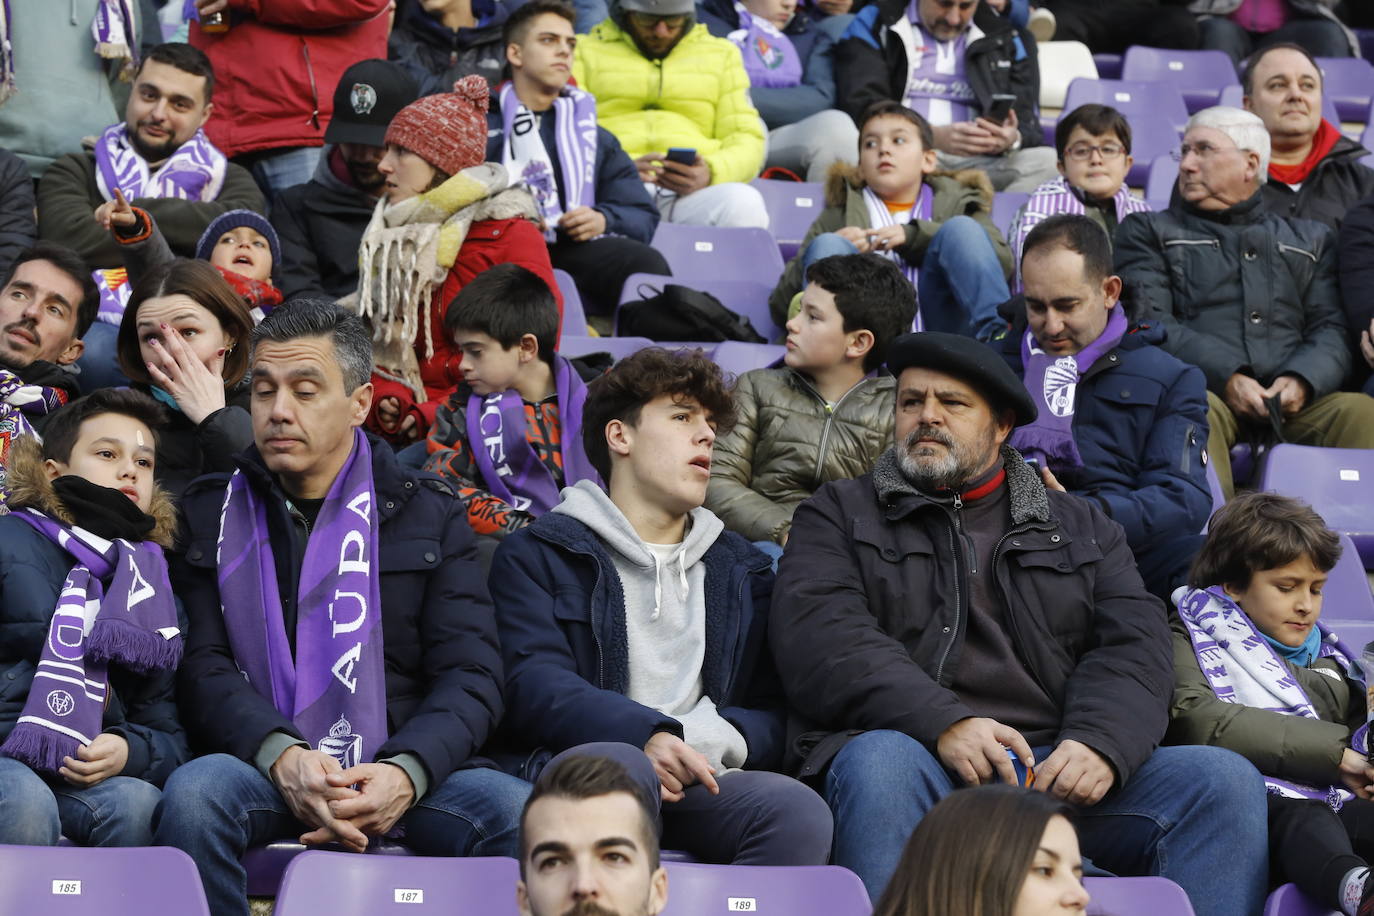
(946, 621)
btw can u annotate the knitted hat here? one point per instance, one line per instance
(234, 219)
(449, 130)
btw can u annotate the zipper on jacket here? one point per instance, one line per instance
(1189, 440)
(314, 119)
(830, 412)
(1302, 251)
(958, 610)
(1210, 243)
(964, 539)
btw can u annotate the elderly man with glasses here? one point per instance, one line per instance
(1249, 297)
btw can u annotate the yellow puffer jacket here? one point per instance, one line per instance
(696, 97)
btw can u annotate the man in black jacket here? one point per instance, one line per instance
(342, 663)
(949, 64)
(945, 621)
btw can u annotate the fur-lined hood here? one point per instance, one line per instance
(844, 178)
(29, 486)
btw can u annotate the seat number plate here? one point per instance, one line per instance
(410, 895)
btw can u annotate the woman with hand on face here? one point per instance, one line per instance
(184, 340)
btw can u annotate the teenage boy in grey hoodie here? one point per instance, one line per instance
(633, 626)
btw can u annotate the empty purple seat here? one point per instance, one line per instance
(1163, 177)
(738, 357)
(343, 884)
(618, 347)
(78, 881)
(1337, 482)
(1289, 901)
(574, 315)
(747, 297)
(1136, 897)
(1346, 599)
(819, 890)
(792, 208)
(1131, 98)
(265, 865)
(720, 253)
(1234, 96)
(1108, 66)
(1153, 137)
(1199, 75)
(1349, 82)
(1005, 205)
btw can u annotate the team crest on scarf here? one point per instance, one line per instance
(768, 54)
(1061, 381)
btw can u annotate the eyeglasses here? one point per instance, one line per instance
(649, 20)
(1203, 150)
(1082, 152)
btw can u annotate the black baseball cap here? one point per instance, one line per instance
(968, 360)
(368, 96)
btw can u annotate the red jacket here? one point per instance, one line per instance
(277, 66)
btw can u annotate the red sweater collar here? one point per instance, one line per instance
(1322, 143)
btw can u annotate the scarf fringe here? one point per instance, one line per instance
(137, 649)
(41, 748)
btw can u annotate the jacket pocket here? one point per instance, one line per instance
(1293, 249)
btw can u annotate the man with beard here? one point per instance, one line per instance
(47, 303)
(321, 223)
(946, 621)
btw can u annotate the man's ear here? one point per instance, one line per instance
(1006, 422)
(619, 438)
(522, 894)
(209, 110)
(360, 404)
(658, 891)
(1111, 290)
(515, 55)
(1252, 167)
(72, 353)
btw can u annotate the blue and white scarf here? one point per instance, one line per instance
(195, 171)
(879, 216)
(528, 162)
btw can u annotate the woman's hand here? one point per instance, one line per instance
(197, 388)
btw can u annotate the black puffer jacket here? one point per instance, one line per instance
(320, 225)
(187, 450)
(437, 56)
(1334, 186)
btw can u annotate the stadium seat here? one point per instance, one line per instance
(1108, 66)
(738, 357)
(1152, 137)
(574, 316)
(1367, 138)
(1234, 96)
(618, 347)
(1218, 496)
(265, 865)
(792, 208)
(1337, 482)
(748, 297)
(1346, 597)
(1136, 897)
(1163, 177)
(1005, 206)
(819, 890)
(1289, 901)
(1062, 62)
(720, 253)
(344, 884)
(1199, 75)
(1131, 98)
(111, 881)
(1349, 82)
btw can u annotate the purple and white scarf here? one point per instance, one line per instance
(116, 605)
(113, 30)
(770, 59)
(1053, 382)
(1241, 667)
(937, 83)
(879, 216)
(1058, 196)
(195, 171)
(528, 162)
(19, 402)
(510, 468)
(334, 690)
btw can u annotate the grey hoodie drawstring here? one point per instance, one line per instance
(681, 557)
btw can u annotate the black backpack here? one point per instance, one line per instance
(683, 313)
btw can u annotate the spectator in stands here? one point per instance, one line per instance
(1110, 28)
(446, 216)
(589, 844)
(1314, 171)
(389, 706)
(517, 394)
(790, 60)
(321, 223)
(826, 413)
(900, 631)
(18, 219)
(1356, 257)
(946, 63)
(47, 303)
(1093, 143)
(161, 160)
(663, 82)
(597, 217)
(654, 652)
(1122, 423)
(441, 41)
(277, 61)
(1240, 27)
(1250, 298)
(936, 226)
(184, 341)
(996, 851)
(1257, 673)
(85, 762)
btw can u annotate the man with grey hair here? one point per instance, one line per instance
(342, 669)
(1250, 298)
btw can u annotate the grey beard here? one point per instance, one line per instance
(951, 470)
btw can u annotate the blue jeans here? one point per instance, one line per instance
(99, 362)
(1321, 37)
(35, 811)
(960, 283)
(1195, 815)
(216, 807)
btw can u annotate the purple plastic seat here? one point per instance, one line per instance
(1289, 901)
(1234, 96)
(819, 890)
(1136, 897)
(618, 347)
(720, 253)
(1199, 75)
(343, 884)
(1005, 205)
(574, 315)
(265, 865)
(1108, 66)
(72, 880)
(1131, 98)
(1153, 137)
(738, 357)
(792, 208)
(1346, 599)
(748, 297)
(1337, 482)
(1218, 496)
(1163, 177)
(1349, 82)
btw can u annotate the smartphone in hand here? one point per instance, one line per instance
(682, 155)
(1000, 108)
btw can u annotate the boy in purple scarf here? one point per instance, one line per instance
(510, 436)
(89, 629)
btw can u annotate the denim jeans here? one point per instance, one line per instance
(35, 811)
(216, 807)
(960, 281)
(1195, 815)
(99, 362)
(1321, 37)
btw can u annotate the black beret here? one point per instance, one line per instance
(968, 360)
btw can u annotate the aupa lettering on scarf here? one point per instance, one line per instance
(334, 689)
(194, 172)
(527, 159)
(116, 606)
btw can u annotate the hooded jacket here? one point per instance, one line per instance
(566, 588)
(320, 225)
(1338, 180)
(141, 708)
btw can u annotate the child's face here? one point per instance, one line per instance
(244, 251)
(892, 160)
(487, 366)
(779, 12)
(115, 451)
(1099, 176)
(1283, 602)
(816, 339)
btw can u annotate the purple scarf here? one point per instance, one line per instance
(1054, 382)
(879, 216)
(113, 31)
(18, 402)
(334, 690)
(770, 59)
(527, 161)
(115, 606)
(496, 435)
(195, 171)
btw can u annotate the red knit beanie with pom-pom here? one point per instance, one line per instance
(449, 130)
